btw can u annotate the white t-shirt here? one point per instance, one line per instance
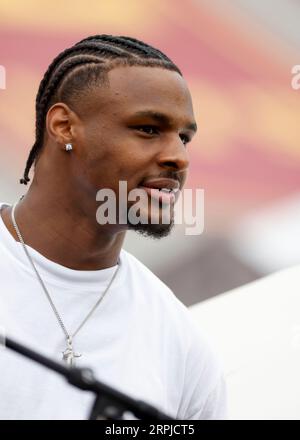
(141, 339)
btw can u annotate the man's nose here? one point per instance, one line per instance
(174, 156)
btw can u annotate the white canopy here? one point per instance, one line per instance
(256, 331)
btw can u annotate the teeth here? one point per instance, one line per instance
(168, 190)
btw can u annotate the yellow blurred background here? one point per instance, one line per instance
(237, 58)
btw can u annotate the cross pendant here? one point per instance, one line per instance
(69, 355)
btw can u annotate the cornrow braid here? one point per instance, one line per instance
(86, 61)
(43, 103)
(132, 44)
(87, 48)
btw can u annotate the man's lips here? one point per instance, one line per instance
(161, 196)
(161, 183)
(163, 190)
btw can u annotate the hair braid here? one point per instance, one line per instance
(130, 43)
(43, 104)
(72, 51)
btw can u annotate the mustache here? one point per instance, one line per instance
(175, 175)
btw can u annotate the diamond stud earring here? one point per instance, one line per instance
(69, 147)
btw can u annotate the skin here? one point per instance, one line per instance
(57, 216)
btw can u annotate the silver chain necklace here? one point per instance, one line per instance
(68, 355)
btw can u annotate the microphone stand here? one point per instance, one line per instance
(109, 403)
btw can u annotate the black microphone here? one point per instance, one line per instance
(109, 404)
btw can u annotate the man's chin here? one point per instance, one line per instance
(155, 231)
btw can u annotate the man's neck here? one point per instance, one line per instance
(63, 234)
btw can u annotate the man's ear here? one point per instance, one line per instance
(61, 122)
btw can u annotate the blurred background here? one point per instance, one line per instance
(237, 58)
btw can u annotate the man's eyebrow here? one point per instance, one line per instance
(162, 118)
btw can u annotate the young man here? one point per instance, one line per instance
(108, 109)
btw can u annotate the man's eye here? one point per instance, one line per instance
(149, 129)
(152, 129)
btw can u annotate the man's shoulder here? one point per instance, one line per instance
(3, 230)
(171, 316)
(151, 282)
(143, 271)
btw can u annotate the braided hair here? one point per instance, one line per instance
(83, 65)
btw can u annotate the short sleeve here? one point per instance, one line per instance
(204, 394)
(215, 406)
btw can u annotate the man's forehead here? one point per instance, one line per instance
(135, 81)
(145, 91)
